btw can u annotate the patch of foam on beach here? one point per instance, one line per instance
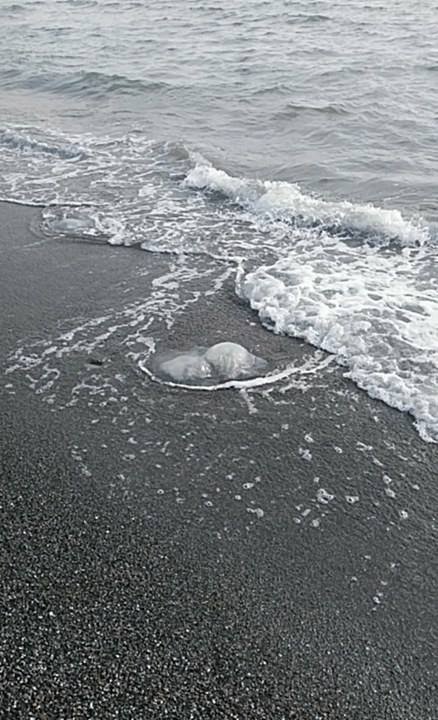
(118, 189)
(285, 201)
(377, 312)
(123, 190)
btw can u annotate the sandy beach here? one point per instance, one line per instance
(178, 554)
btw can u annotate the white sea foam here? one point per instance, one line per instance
(27, 143)
(285, 201)
(368, 308)
(104, 187)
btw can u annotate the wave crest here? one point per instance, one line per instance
(89, 84)
(285, 201)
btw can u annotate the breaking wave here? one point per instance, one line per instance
(285, 201)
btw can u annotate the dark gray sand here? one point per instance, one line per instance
(171, 554)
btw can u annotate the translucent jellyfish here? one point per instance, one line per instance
(230, 360)
(225, 361)
(186, 366)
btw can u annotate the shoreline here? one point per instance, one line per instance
(172, 554)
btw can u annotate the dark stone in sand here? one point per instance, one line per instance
(96, 361)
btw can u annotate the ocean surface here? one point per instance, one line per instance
(289, 145)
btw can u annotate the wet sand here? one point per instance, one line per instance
(170, 554)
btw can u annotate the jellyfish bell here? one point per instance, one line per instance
(186, 366)
(225, 361)
(230, 360)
